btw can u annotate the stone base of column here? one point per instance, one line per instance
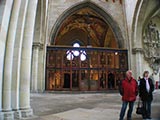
(34, 91)
(26, 113)
(17, 114)
(8, 115)
(1, 116)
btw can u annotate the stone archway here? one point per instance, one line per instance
(67, 71)
(139, 21)
(106, 17)
(141, 17)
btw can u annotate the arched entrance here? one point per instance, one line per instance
(143, 27)
(85, 51)
(97, 10)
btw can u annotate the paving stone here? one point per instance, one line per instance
(95, 106)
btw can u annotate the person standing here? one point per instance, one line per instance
(146, 89)
(129, 90)
(102, 81)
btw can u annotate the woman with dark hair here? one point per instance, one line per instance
(146, 89)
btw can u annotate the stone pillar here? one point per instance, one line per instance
(42, 50)
(41, 70)
(25, 74)
(138, 58)
(8, 114)
(17, 59)
(35, 54)
(3, 37)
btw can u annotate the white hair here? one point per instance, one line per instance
(129, 72)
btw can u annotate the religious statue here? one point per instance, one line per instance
(151, 43)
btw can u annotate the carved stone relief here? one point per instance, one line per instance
(151, 42)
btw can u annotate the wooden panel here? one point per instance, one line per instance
(98, 61)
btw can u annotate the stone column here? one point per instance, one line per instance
(7, 81)
(17, 59)
(25, 74)
(3, 37)
(41, 69)
(43, 6)
(138, 58)
(42, 50)
(35, 54)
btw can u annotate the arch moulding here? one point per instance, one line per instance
(107, 18)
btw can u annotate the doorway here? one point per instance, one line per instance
(71, 79)
(67, 78)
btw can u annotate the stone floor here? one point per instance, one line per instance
(83, 106)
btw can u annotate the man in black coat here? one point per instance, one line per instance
(146, 89)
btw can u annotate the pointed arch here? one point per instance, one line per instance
(140, 21)
(106, 16)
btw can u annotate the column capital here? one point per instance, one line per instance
(37, 45)
(137, 50)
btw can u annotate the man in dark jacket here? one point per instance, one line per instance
(129, 91)
(146, 89)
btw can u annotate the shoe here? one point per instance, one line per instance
(149, 118)
(144, 117)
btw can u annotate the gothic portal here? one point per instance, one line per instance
(84, 53)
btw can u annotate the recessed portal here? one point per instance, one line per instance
(85, 53)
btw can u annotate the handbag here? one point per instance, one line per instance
(139, 109)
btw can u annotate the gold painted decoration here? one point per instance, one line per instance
(89, 23)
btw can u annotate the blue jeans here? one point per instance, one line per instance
(146, 109)
(123, 110)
